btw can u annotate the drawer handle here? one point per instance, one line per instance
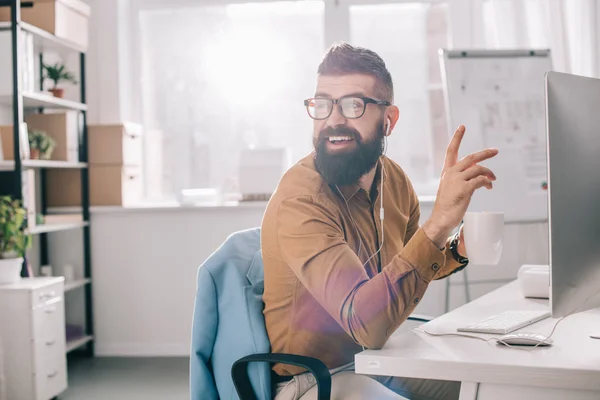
(131, 177)
(53, 374)
(51, 343)
(48, 295)
(50, 310)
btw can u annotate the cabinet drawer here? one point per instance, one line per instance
(46, 294)
(49, 337)
(49, 323)
(51, 379)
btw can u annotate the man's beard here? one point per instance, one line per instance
(347, 167)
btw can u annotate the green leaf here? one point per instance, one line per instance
(13, 237)
(58, 72)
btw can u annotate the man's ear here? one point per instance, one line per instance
(392, 116)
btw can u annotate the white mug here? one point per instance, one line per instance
(483, 233)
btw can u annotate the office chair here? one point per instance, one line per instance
(230, 350)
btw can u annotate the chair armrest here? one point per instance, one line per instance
(241, 380)
(420, 317)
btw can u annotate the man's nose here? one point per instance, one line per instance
(336, 118)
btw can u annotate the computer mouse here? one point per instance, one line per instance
(525, 339)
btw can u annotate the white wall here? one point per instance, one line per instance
(145, 261)
(144, 272)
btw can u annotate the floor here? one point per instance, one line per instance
(127, 379)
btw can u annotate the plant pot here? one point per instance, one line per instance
(34, 154)
(10, 270)
(58, 92)
(46, 155)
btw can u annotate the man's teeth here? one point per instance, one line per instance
(335, 139)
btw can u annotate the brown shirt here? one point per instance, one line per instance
(320, 301)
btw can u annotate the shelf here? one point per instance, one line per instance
(35, 100)
(43, 40)
(76, 284)
(33, 164)
(77, 343)
(52, 164)
(56, 227)
(7, 165)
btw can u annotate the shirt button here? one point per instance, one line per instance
(416, 300)
(435, 267)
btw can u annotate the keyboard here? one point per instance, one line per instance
(506, 322)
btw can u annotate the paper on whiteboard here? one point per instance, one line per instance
(513, 126)
(500, 99)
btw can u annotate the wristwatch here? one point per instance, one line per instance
(463, 261)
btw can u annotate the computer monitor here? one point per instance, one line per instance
(573, 134)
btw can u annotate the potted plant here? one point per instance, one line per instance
(14, 240)
(41, 145)
(56, 73)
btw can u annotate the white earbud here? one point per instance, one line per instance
(381, 212)
(389, 125)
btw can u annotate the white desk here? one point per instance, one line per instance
(570, 369)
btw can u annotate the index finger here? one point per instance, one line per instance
(475, 158)
(452, 150)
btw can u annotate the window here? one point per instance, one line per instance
(217, 78)
(408, 36)
(221, 78)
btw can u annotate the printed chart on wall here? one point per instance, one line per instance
(499, 96)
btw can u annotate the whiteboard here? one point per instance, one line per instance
(499, 96)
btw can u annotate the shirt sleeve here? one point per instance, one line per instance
(311, 242)
(451, 265)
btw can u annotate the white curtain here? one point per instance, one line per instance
(570, 28)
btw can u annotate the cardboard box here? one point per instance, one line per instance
(7, 142)
(115, 144)
(63, 128)
(110, 185)
(67, 19)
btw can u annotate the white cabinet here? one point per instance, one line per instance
(32, 339)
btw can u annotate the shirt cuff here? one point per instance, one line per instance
(452, 265)
(424, 256)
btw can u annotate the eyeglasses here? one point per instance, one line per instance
(351, 107)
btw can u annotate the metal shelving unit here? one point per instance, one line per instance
(20, 102)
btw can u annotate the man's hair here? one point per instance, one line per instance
(343, 59)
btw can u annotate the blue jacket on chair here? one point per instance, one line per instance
(228, 320)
